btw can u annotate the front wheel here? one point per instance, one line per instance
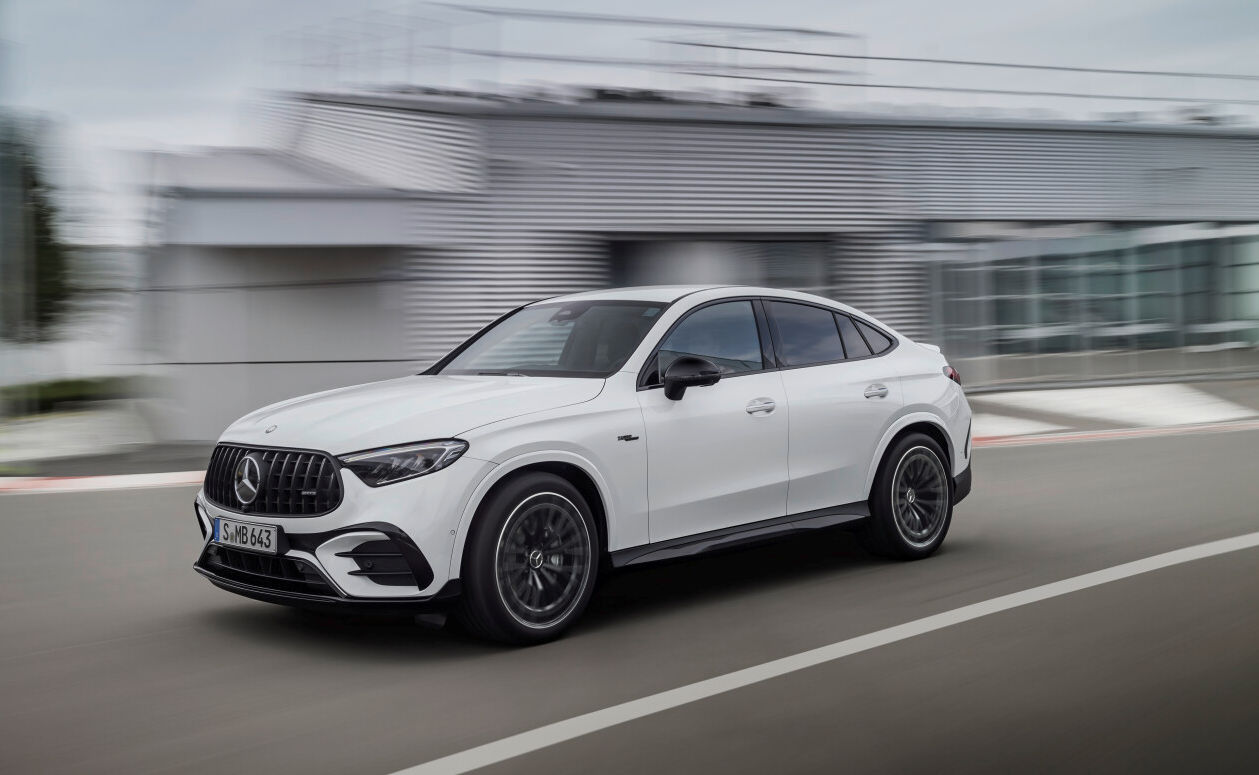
(911, 502)
(531, 561)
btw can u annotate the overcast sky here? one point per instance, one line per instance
(163, 73)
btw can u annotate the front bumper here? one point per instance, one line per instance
(334, 560)
(395, 606)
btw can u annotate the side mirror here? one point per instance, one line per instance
(689, 371)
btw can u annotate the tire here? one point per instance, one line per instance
(531, 561)
(911, 501)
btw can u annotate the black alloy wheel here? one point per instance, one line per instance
(911, 502)
(530, 562)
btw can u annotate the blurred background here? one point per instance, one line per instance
(209, 207)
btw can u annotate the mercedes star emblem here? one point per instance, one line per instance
(248, 478)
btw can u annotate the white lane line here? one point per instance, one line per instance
(568, 729)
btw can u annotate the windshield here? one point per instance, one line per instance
(563, 339)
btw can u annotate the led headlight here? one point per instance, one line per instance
(387, 465)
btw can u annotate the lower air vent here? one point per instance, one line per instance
(382, 562)
(284, 574)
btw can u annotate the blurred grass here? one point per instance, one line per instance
(44, 397)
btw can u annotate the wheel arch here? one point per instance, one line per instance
(572, 467)
(919, 422)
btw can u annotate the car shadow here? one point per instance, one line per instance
(627, 597)
(634, 593)
(345, 637)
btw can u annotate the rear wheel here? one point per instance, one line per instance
(911, 502)
(531, 561)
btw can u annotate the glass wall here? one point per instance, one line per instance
(1155, 302)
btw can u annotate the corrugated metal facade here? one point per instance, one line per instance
(522, 204)
(1076, 175)
(560, 191)
(405, 150)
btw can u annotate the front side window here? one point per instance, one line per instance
(806, 334)
(723, 333)
(564, 339)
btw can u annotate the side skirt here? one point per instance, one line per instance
(753, 532)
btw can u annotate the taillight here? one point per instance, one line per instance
(952, 374)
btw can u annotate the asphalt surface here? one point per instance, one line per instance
(116, 657)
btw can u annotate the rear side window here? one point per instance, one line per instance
(807, 334)
(853, 343)
(879, 341)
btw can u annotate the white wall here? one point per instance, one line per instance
(231, 329)
(280, 220)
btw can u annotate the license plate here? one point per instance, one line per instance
(246, 535)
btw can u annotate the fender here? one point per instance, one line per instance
(896, 427)
(506, 468)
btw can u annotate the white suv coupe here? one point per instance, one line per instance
(583, 433)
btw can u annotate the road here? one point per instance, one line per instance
(117, 657)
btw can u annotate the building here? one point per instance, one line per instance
(373, 231)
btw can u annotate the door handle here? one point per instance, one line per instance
(877, 390)
(760, 406)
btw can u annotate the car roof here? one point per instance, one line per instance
(669, 294)
(657, 293)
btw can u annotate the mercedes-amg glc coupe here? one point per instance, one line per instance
(579, 434)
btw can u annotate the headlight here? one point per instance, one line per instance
(387, 465)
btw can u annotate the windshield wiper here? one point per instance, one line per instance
(499, 374)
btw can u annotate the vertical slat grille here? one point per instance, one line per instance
(294, 482)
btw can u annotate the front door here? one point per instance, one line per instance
(717, 458)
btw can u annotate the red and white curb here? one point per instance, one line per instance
(62, 484)
(49, 484)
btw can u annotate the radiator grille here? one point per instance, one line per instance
(293, 482)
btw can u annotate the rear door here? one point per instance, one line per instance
(842, 397)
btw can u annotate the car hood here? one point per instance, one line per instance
(397, 411)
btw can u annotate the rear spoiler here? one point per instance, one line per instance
(932, 347)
